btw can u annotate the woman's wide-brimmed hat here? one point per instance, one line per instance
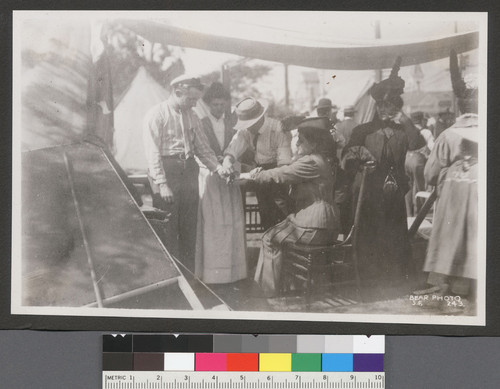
(319, 125)
(249, 111)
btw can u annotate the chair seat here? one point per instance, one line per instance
(309, 267)
(314, 248)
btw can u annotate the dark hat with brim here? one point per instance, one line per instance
(325, 103)
(249, 111)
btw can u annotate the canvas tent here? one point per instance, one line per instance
(340, 57)
(143, 93)
(63, 101)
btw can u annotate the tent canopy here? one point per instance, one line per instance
(366, 57)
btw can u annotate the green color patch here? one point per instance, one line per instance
(306, 362)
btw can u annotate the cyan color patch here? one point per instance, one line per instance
(337, 362)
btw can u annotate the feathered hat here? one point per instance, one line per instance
(391, 88)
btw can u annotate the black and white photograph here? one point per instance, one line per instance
(252, 165)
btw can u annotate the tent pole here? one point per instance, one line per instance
(287, 92)
(226, 83)
(378, 72)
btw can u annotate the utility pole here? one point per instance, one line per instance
(287, 92)
(378, 72)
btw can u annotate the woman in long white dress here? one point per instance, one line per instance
(220, 243)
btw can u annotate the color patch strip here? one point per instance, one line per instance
(117, 343)
(368, 362)
(242, 362)
(160, 343)
(337, 362)
(275, 362)
(283, 344)
(374, 344)
(117, 361)
(342, 344)
(227, 344)
(171, 343)
(310, 343)
(306, 362)
(178, 362)
(148, 361)
(255, 344)
(211, 362)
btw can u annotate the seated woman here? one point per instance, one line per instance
(315, 221)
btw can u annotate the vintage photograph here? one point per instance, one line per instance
(256, 165)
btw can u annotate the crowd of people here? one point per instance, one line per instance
(306, 173)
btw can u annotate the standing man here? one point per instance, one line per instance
(172, 138)
(271, 148)
(346, 126)
(326, 108)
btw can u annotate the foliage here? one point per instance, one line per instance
(128, 52)
(243, 78)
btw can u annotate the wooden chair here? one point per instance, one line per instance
(309, 267)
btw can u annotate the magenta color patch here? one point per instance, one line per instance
(210, 362)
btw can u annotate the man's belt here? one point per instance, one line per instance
(179, 157)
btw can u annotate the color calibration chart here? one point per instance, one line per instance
(150, 361)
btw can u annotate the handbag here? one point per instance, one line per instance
(390, 185)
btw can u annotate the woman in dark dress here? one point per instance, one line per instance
(383, 244)
(315, 221)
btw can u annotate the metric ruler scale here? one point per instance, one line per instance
(241, 380)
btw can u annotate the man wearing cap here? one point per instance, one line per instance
(346, 126)
(172, 138)
(326, 108)
(271, 148)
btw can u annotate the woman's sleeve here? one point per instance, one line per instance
(439, 159)
(304, 169)
(237, 146)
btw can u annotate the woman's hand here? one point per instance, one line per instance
(253, 172)
(245, 176)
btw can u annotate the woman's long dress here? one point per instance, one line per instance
(383, 244)
(452, 253)
(220, 244)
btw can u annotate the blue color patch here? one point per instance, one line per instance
(337, 362)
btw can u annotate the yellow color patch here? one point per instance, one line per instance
(275, 362)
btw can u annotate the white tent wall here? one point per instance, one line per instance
(144, 92)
